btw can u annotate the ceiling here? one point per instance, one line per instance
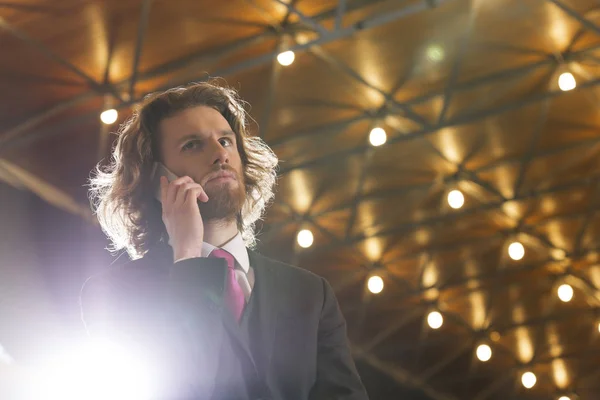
(467, 91)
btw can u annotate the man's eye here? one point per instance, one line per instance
(190, 145)
(225, 142)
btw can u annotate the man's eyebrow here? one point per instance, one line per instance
(189, 137)
(195, 136)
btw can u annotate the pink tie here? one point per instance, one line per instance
(234, 296)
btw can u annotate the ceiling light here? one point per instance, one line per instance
(375, 284)
(528, 380)
(566, 82)
(377, 137)
(558, 254)
(456, 199)
(305, 238)
(109, 116)
(435, 320)
(564, 398)
(286, 58)
(484, 352)
(435, 53)
(565, 293)
(516, 251)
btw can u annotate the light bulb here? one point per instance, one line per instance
(435, 320)
(516, 251)
(375, 284)
(377, 137)
(286, 58)
(484, 352)
(564, 398)
(565, 293)
(109, 116)
(456, 199)
(566, 82)
(435, 53)
(528, 380)
(305, 238)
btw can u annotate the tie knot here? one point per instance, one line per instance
(220, 253)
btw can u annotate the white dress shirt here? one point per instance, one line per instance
(243, 271)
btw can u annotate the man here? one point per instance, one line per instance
(218, 320)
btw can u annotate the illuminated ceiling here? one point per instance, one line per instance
(468, 95)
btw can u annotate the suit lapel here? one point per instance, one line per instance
(268, 303)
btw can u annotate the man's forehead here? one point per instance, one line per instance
(200, 120)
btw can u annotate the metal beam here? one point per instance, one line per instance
(318, 51)
(369, 22)
(339, 15)
(591, 209)
(535, 136)
(398, 324)
(400, 375)
(142, 26)
(444, 362)
(352, 6)
(20, 178)
(358, 192)
(574, 14)
(584, 182)
(451, 216)
(303, 18)
(457, 121)
(457, 64)
(49, 54)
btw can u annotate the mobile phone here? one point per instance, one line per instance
(159, 170)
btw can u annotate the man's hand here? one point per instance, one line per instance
(181, 216)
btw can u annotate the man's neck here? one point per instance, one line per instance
(218, 233)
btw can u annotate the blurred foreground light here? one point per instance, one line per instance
(528, 380)
(435, 320)
(566, 82)
(564, 398)
(565, 293)
(109, 116)
(5, 358)
(96, 371)
(375, 284)
(516, 251)
(484, 352)
(305, 238)
(435, 53)
(377, 137)
(286, 58)
(456, 199)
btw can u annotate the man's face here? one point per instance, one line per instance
(200, 143)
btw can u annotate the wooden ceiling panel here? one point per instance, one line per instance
(482, 79)
(316, 190)
(406, 163)
(412, 67)
(300, 147)
(501, 133)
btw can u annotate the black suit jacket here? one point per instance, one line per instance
(294, 347)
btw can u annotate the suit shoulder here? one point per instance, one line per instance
(290, 270)
(119, 274)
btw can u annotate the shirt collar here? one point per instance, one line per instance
(235, 247)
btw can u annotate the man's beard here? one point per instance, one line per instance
(225, 201)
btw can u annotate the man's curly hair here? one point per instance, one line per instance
(122, 193)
